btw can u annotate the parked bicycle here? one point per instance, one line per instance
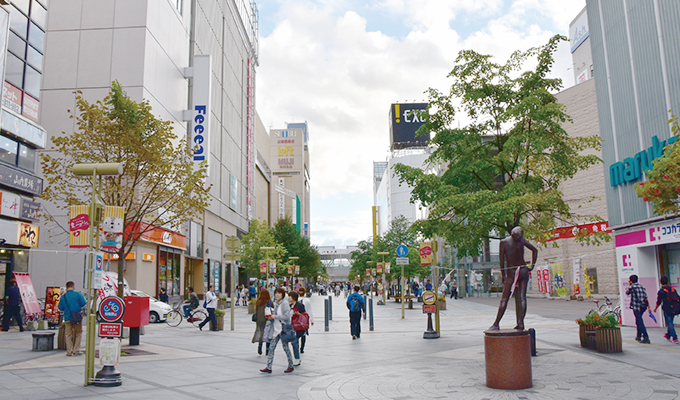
(176, 315)
(607, 308)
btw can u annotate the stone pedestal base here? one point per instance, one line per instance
(508, 359)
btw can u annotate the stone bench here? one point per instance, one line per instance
(43, 341)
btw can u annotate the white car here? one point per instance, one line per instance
(158, 311)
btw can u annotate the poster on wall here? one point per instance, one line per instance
(28, 235)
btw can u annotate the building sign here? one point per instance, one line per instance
(579, 32)
(31, 108)
(306, 230)
(405, 120)
(110, 329)
(582, 77)
(156, 234)
(30, 210)
(200, 120)
(20, 180)
(129, 256)
(79, 227)
(571, 231)
(10, 205)
(28, 235)
(145, 257)
(632, 168)
(233, 193)
(11, 97)
(250, 141)
(18, 126)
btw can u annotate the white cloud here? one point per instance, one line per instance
(320, 64)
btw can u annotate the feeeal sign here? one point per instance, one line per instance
(200, 118)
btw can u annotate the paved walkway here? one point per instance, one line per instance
(392, 362)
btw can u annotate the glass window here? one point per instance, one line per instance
(21, 5)
(39, 15)
(34, 58)
(32, 82)
(43, 2)
(26, 157)
(18, 22)
(36, 37)
(178, 4)
(17, 45)
(14, 71)
(8, 150)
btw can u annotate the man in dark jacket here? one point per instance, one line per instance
(71, 302)
(639, 304)
(663, 297)
(12, 306)
(356, 304)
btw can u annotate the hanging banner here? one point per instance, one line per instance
(272, 267)
(577, 276)
(425, 253)
(52, 296)
(28, 296)
(368, 272)
(297, 270)
(379, 268)
(387, 268)
(263, 266)
(290, 270)
(79, 226)
(28, 235)
(112, 229)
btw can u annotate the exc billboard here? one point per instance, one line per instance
(404, 123)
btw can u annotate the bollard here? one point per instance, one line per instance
(330, 308)
(532, 334)
(365, 302)
(325, 315)
(370, 311)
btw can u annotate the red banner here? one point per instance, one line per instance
(28, 296)
(52, 297)
(571, 231)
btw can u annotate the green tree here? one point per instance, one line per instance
(663, 185)
(259, 235)
(286, 234)
(359, 259)
(503, 169)
(160, 184)
(400, 232)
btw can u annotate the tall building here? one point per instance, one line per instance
(636, 63)
(175, 54)
(22, 48)
(289, 161)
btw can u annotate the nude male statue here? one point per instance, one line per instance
(512, 254)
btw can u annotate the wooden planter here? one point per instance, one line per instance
(220, 322)
(582, 329)
(441, 305)
(252, 308)
(222, 304)
(608, 340)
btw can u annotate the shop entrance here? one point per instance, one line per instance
(169, 270)
(669, 262)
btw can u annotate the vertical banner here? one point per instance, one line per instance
(200, 113)
(272, 267)
(290, 270)
(387, 268)
(586, 282)
(539, 279)
(28, 296)
(425, 253)
(577, 276)
(297, 270)
(558, 279)
(112, 229)
(52, 296)
(379, 267)
(79, 227)
(263, 266)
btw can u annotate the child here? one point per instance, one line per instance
(244, 295)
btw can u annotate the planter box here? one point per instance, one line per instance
(252, 308)
(591, 342)
(222, 304)
(441, 305)
(582, 329)
(220, 323)
(608, 340)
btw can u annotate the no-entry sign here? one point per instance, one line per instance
(429, 298)
(112, 309)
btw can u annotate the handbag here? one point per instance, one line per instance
(255, 317)
(301, 321)
(288, 334)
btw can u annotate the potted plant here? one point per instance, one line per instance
(222, 302)
(608, 334)
(251, 307)
(219, 316)
(441, 303)
(587, 330)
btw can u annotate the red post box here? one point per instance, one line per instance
(136, 311)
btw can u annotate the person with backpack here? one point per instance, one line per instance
(671, 307)
(356, 304)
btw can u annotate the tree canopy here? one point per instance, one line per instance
(503, 168)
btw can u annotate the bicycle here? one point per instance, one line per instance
(176, 315)
(605, 309)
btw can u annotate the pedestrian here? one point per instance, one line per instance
(191, 303)
(163, 296)
(271, 289)
(665, 295)
(264, 300)
(209, 304)
(12, 306)
(356, 304)
(639, 304)
(252, 291)
(72, 302)
(454, 290)
(245, 295)
(297, 308)
(280, 317)
(307, 302)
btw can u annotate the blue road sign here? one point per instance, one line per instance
(402, 250)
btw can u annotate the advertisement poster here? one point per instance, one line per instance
(79, 227)
(558, 282)
(28, 235)
(28, 296)
(425, 253)
(52, 296)
(539, 276)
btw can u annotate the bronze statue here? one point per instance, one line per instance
(516, 271)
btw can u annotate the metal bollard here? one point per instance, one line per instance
(532, 334)
(365, 302)
(370, 311)
(325, 315)
(330, 308)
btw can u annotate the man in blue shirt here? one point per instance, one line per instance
(71, 302)
(12, 306)
(356, 304)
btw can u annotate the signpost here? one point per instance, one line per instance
(111, 312)
(402, 253)
(429, 308)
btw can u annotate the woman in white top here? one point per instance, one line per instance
(307, 302)
(282, 315)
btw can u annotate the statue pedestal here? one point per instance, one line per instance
(508, 359)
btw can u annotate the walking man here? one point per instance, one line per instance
(69, 303)
(665, 296)
(12, 306)
(356, 304)
(210, 304)
(639, 304)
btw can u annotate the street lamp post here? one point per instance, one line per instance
(95, 171)
(383, 254)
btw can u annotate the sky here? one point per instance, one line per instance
(339, 64)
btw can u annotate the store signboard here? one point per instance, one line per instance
(30, 210)
(11, 97)
(10, 204)
(28, 235)
(200, 119)
(31, 108)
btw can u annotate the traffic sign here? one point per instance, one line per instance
(110, 329)
(429, 297)
(402, 250)
(429, 308)
(402, 261)
(98, 269)
(112, 309)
